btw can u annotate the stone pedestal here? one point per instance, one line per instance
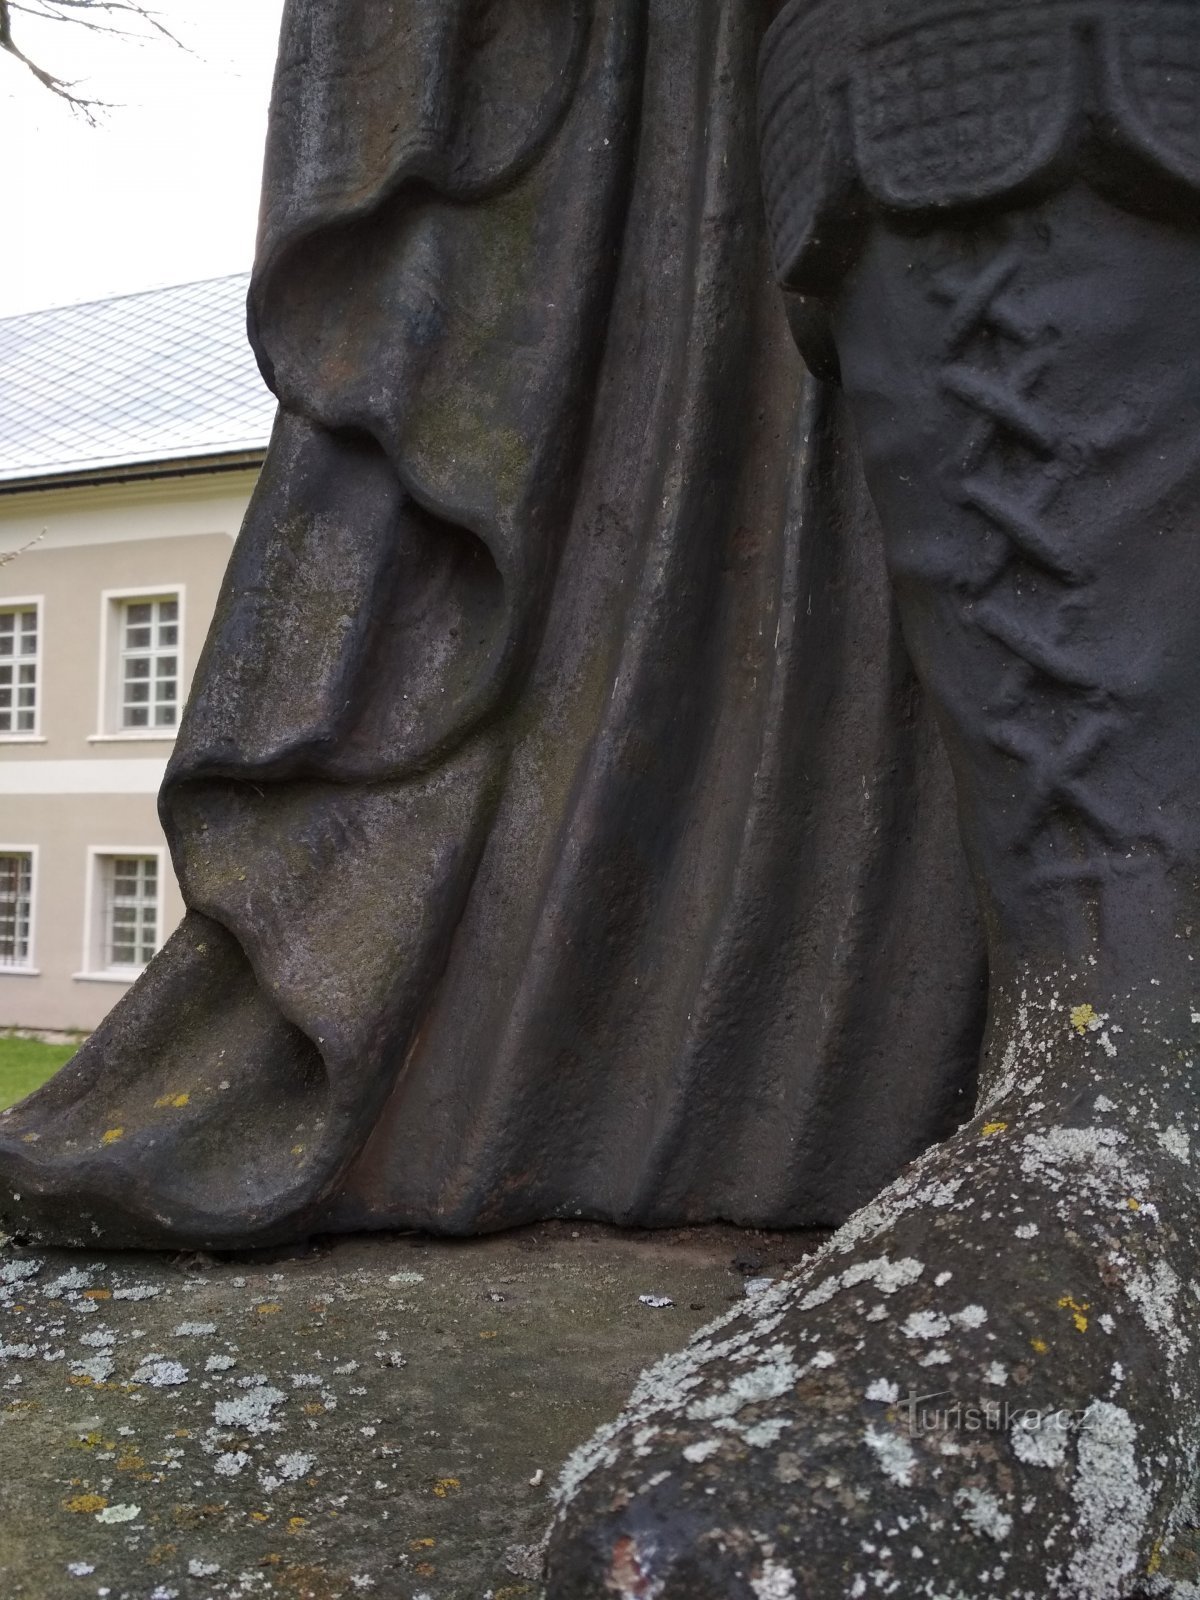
(384, 1417)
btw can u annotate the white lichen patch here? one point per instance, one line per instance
(883, 1390)
(1086, 1161)
(250, 1411)
(969, 1317)
(194, 1330)
(1155, 1292)
(701, 1450)
(1041, 1441)
(160, 1373)
(69, 1282)
(295, 1464)
(883, 1273)
(230, 1463)
(99, 1339)
(775, 1375)
(896, 1457)
(1112, 1504)
(925, 1325)
(119, 1513)
(775, 1582)
(219, 1363)
(761, 1434)
(98, 1368)
(983, 1513)
(1176, 1143)
(19, 1271)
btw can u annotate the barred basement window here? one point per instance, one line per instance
(18, 669)
(16, 907)
(130, 910)
(149, 664)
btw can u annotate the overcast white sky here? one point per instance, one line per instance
(165, 189)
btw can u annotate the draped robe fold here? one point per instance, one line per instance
(562, 829)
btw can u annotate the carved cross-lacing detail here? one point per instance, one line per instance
(1083, 714)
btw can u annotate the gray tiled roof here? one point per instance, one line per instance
(156, 376)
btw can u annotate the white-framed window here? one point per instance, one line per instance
(20, 667)
(141, 688)
(17, 874)
(124, 910)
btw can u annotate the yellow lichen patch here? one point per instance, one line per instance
(111, 1135)
(446, 1486)
(314, 1408)
(1155, 1560)
(297, 1522)
(181, 1433)
(1078, 1312)
(161, 1553)
(425, 1569)
(297, 1149)
(488, 1333)
(31, 1138)
(130, 1464)
(1134, 1205)
(422, 1544)
(990, 1128)
(269, 1308)
(1082, 1018)
(260, 1516)
(85, 1503)
(91, 1441)
(1039, 1345)
(178, 1101)
(97, 1294)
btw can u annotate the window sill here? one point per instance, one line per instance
(20, 972)
(22, 738)
(114, 975)
(135, 736)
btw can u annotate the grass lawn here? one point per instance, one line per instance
(27, 1063)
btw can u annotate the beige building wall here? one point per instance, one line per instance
(80, 788)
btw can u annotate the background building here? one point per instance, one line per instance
(131, 435)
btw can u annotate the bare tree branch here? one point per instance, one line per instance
(96, 15)
(11, 555)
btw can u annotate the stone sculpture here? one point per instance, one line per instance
(989, 1382)
(564, 831)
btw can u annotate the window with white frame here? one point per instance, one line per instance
(16, 907)
(148, 663)
(128, 923)
(19, 660)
